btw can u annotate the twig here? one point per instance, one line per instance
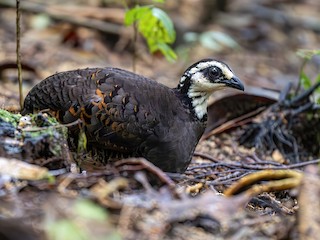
(134, 44)
(252, 166)
(206, 156)
(130, 164)
(303, 164)
(18, 52)
(228, 179)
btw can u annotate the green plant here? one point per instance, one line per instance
(83, 220)
(155, 26)
(304, 79)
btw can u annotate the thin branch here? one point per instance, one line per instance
(251, 166)
(18, 52)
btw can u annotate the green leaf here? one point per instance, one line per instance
(317, 78)
(88, 210)
(82, 141)
(223, 39)
(40, 21)
(215, 40)
(158, 1)
(317, 91)
(168, 52)
(191, 37)
(317, 96)
(305, 80)
(307, 54)
(155, 26)
(165, 23)
(65, 229)
(136, 14)
(207, 41)
(9, 117)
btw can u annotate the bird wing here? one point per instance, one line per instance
(119, 109)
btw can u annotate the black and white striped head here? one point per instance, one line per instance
(209, 75)
(203, 78)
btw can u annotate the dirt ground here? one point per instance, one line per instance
(263, 140)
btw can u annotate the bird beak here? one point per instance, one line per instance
(234, 83)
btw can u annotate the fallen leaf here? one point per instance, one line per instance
(21, 170)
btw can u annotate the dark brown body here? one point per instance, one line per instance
(123, 113)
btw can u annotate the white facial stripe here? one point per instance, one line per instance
(199, 101)
(202, 84)
(201, 110)
(182, 80)
(199, 92)
(201, 87)
(198, 77)
(225, 70)
(201, 66)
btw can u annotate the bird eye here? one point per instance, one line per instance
(215, 72)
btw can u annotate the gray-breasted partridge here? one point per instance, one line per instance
(125, 114)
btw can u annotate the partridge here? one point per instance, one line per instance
(128, 115)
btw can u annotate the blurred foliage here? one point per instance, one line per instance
(76, 225)
(212, 40)
(9, 117)
(155, 26)
(308, 54)
(305, 81)
(82, 142)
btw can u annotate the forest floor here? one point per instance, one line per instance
(255, 172)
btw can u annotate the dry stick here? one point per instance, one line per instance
(130, 163)
(18, 53)
(250, 166)
(206, 156)
(135, 39)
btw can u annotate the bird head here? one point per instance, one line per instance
(209, 75)
(203, 78)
